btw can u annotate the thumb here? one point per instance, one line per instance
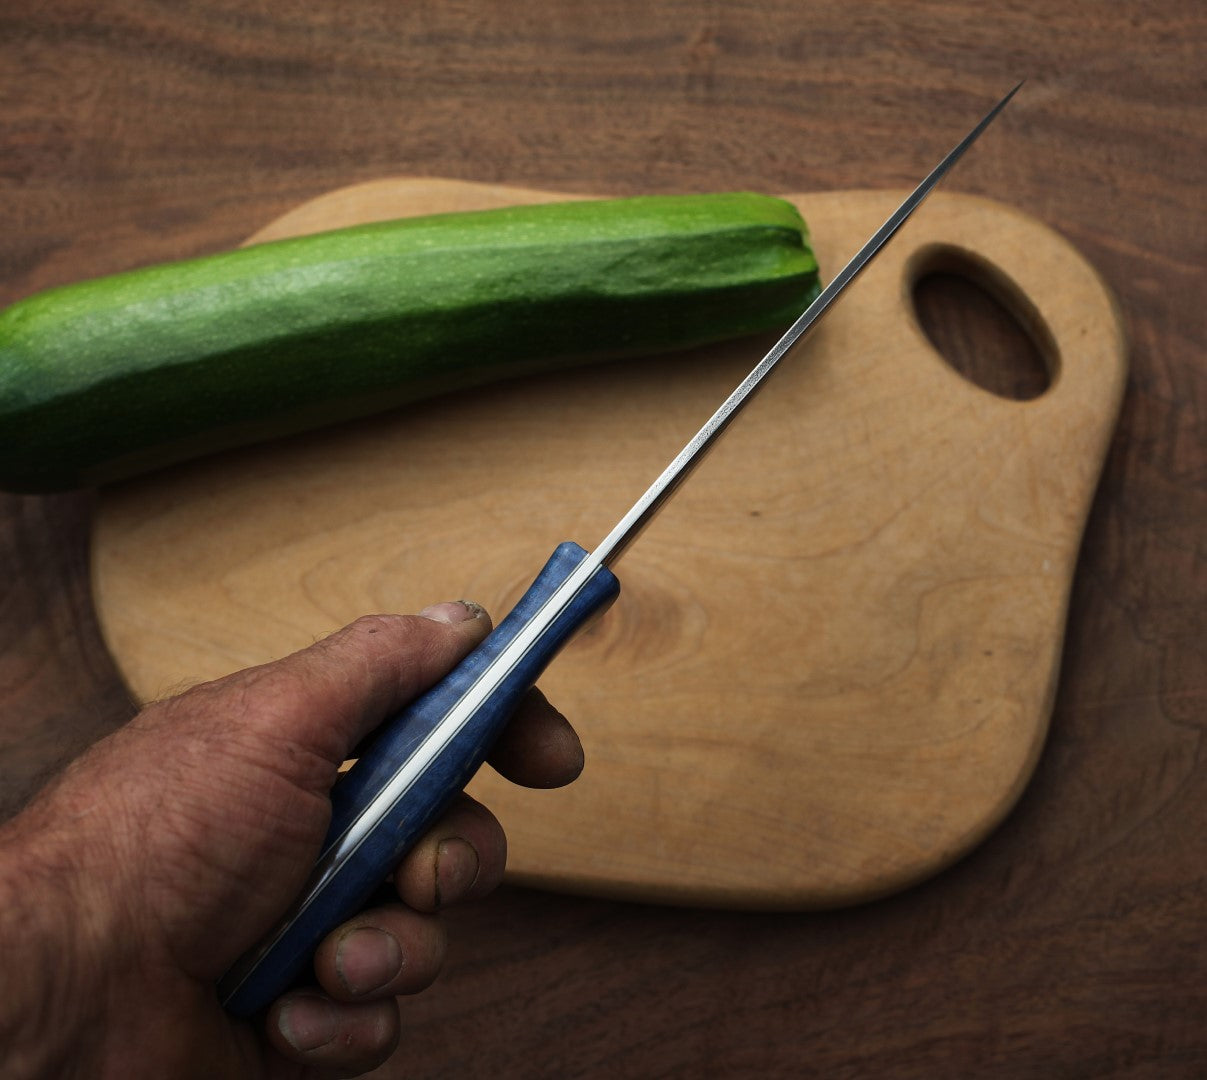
(325, 699)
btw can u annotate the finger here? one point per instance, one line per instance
(539, 748)
(326, 698)
(308, 1028)
(462, 857)
(382, 952)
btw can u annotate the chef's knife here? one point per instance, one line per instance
(417, 762)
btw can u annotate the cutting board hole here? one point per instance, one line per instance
(981, 324)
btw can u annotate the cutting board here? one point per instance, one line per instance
(832, 665)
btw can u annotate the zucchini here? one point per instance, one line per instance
(112, 377)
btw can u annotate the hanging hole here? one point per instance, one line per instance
(982, 324)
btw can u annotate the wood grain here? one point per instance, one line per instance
(1071, 944)
(833, 666)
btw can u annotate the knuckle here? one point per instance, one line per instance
(380, 624)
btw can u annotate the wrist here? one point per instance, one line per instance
(54, 1001)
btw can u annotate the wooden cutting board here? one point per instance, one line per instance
(832, 664)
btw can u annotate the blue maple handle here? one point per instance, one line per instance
(407, 774)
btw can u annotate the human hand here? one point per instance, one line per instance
(155, 860)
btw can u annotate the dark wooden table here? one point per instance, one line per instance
(1074, 942)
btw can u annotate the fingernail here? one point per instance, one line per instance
(307, 1022)
(367, 959)
(456, 870)
(452, 611)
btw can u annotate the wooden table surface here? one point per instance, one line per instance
(1074, 942)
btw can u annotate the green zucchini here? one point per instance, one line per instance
(108, 378)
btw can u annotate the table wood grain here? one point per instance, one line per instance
(1074, 942)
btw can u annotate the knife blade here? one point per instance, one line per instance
(417, 762)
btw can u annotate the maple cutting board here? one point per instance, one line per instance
(831, 667)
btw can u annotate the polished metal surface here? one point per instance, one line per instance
(678, 470)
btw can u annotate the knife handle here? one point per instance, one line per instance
(410, 782)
